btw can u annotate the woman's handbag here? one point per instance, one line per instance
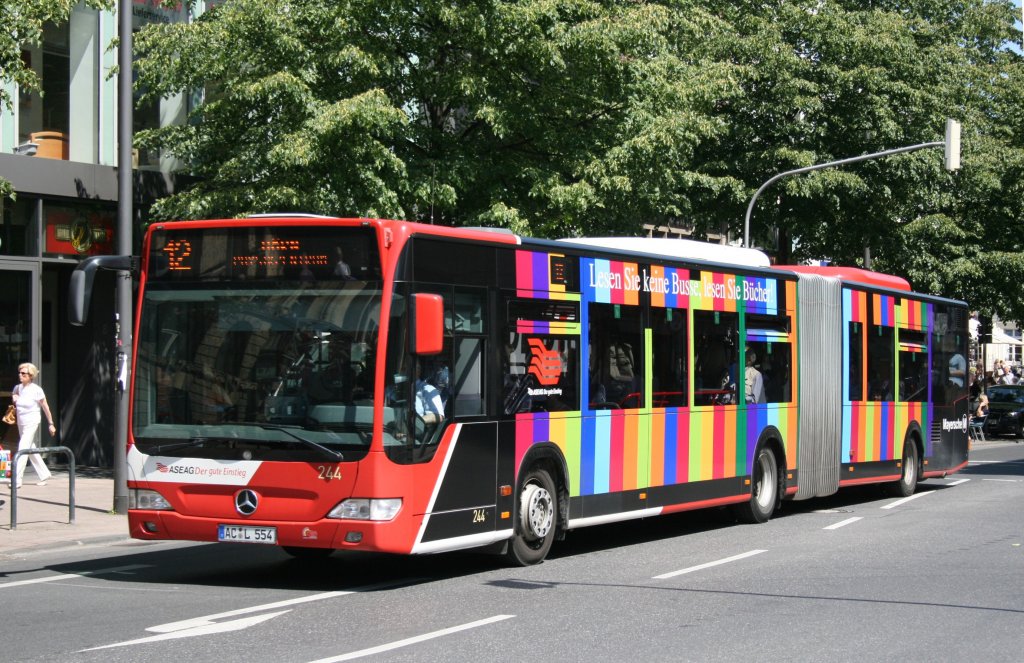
(11, 415)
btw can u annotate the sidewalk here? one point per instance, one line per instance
(43, 512)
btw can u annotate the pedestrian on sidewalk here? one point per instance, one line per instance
(29, 401)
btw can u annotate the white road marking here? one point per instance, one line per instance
(982, 462)
(208, 629)
(76, 576)
(1004, 480)
(905, 500)
(414, 640)
(188, 628)
(844, 523)
(957, 482)
(708, 565)
(196, 622)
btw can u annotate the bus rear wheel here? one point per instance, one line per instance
(765, 494)
(907, 484)
(536, 519)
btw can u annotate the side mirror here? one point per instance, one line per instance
(80, 288)
(427, 328)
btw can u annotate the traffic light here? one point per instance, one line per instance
(985, 329)
(952, 145)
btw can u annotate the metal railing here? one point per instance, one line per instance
(14, 480)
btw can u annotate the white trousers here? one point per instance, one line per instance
(30, 440)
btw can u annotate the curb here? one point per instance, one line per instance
(65, 544)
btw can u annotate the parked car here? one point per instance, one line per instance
(1005, 410)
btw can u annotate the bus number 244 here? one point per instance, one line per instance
(328, 472)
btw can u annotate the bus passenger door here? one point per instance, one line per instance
(466, 493)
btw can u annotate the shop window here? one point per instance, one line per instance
(165, 111)
(67, 65)
(19, 234)
(46, 115)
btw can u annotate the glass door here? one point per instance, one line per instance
(18, 322)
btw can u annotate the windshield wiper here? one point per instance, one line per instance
(290, 431)
(185, 444)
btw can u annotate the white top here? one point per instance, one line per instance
(428, 399)
(686, 249)
(957, 369)
(29, 397)
(754, 386)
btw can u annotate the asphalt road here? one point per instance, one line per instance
(857, 576)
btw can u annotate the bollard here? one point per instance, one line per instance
(71, 481)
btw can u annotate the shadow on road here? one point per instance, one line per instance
(249, 566)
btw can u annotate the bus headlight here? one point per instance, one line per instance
(367, 509)
(148, 500)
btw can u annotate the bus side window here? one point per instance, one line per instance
(773, 360)
(716, 355)
(548, 382)
(914, 369)
(468, 379)
(616, 356)
(881, 367)
(856, 361)
(669, 359)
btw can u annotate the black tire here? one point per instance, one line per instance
(536, 519)
(309, 554)
(765, 489)
(907, 484)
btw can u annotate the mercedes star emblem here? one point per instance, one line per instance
(246, 502)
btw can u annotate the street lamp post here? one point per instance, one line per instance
(951, 143)
(123, 288)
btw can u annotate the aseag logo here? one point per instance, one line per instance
(545, 365)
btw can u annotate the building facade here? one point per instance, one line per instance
(59, 151)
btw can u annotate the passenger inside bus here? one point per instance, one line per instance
(880, 388)
(621, 376)
(754, 382)
(715, 367)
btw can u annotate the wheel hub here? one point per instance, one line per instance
(764, 488)
(537, 511)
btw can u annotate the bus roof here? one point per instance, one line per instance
(852, 275)
(685, 249)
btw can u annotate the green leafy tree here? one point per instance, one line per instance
(568, 117)
(828, 80)
(552, 117)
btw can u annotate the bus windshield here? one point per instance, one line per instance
(263, 355)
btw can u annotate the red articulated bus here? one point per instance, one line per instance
(361, 384)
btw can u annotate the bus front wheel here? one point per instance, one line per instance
(536, 519)
(765, 490)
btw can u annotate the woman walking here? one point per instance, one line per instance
(29, 400)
